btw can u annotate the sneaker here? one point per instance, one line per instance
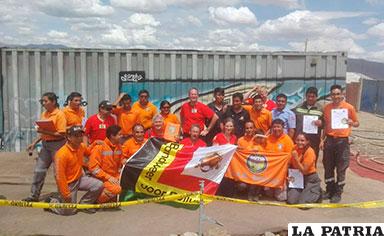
(30, 199)
(89, 210)
(335, 198)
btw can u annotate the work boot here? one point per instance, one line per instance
(329, 191)
(336, 197)
(30, 199)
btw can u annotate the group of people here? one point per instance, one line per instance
(88, 154)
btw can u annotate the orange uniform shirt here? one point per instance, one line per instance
(58, 119)
(145, 114)
(73, 117)
(328, 119)
(105, 161)
(307, 158)
(247, 143)
(170, 118)
(282, 144)
(125, 119)
(262, 119)
(68, 166)
(131, 146)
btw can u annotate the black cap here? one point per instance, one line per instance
(107, 105)
(75, 130)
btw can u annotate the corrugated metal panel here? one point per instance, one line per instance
(27, 73)
(369, 96)
(380, 98)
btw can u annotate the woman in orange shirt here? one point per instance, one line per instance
(52, 140)
(304, 159)
(165, 112)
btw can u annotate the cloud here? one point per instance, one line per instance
(371, 21)
(74, 8)
(93, 24)
(57, 34)
(231, 15)
(194, 20)
(290, 4)
(375, 2)
(143, 19)
(377, 30)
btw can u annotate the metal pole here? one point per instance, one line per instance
(201, 208)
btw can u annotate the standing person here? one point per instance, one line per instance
(227, 136)
(133, 144)
(304, 159)
(70, 177)
(165, 112)
(73, 111)
(194, 141)
(51, 142)
(145, 109)
(335, 143)
(195, 112)
(261, 117)
(219, 107)
(310, 107)
(262, 91)
(97, 124)
(105, 163)
(239, 115)
(283, 113)
(126, 117)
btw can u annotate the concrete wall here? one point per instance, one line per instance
(27, 73)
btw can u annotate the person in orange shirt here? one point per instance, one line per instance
(105, 163)
(278, 141)
(304, 159)
(261, 117)
(126, 117)
(133, 144)
(73, 111)
(51, 142)
(253, 139)
(165, 111)
(69, 174)
(145, 109)
(335, 143)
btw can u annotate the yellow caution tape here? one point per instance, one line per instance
(369, 204)
(86, 206)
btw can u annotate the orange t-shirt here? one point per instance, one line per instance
(328, 119)
(170, 118)
(281, 144)
(73, 117)
(125, 119)
(145, 114)
(247, 143)
(131, 146)
(307, 159)
(59, 121)
(262, 119)
(68, 166)
(105, 161)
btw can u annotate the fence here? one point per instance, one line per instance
(27, 73)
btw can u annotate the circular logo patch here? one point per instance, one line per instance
(256, 163)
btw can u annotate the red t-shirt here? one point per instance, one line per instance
(269, 105)
(194, 115)
(152, 134)
(188, 143)
(96, 129)
(220, 139)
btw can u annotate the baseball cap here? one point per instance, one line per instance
(76, 129)
(107, 105)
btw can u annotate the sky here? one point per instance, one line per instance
(355, 26)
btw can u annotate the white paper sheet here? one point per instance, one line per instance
(339, 118)
(296, 179)
(308, 124)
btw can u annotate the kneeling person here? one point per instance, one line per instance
(70, 177)
(105, 163)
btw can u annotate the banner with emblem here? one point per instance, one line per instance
(261, 168)
(160, 169)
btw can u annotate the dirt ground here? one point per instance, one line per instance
(155, 219)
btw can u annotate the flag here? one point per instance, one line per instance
(260, 168)
(160, 169)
